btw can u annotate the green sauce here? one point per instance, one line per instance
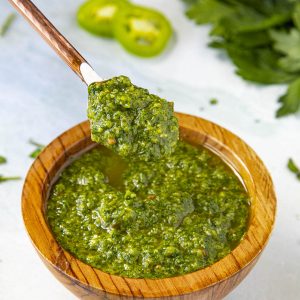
(131, 121)
(149, 219)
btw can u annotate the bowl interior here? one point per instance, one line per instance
(229, 147)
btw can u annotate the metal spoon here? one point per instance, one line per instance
(57, 41)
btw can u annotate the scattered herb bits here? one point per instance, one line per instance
(37, 151)
(294, 168)
(3, 160)
(4, 178)
(262, 38)
(142, 31)
(213, 101)
(7, 24)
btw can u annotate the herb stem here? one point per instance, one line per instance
(294, 168)
(34, 143)
(7, 24)
(2, 178)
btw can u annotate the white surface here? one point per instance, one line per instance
(40, 98)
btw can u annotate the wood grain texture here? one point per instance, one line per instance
(213, 282)
(50, 34)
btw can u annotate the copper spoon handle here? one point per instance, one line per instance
(56, 40)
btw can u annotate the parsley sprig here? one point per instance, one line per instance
(262, 38)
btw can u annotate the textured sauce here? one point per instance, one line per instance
(131, 121)
(150, 219)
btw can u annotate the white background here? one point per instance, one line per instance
(40, 97)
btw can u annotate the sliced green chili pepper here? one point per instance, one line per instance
(142, 31)
(96, 16)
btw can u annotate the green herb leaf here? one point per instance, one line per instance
(3, 160)
(293, 168)
(208, 11)
(243, 40)
(258, 65)
(287, 43)
(267, 7)
(7, 24)
(289, 64)
(35, 153)
(213, 101)
(296, 16)
(3, 178)
(38, 150)
(290, 102)
(247, 20)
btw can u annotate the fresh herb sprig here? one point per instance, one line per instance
(38, 150)
(294, 168)
(7, 24)
(262, 38)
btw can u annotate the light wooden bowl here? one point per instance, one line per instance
(213, 282)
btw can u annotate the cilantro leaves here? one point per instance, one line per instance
(287, 43)
(208, 11)
(259, 65)
(262, 38)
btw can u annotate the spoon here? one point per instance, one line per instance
(57, 41)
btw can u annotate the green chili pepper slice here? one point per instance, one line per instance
(142, 31)
(97, 16)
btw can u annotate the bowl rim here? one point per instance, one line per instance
(255, 176)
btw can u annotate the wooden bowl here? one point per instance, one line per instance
(213, 282)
